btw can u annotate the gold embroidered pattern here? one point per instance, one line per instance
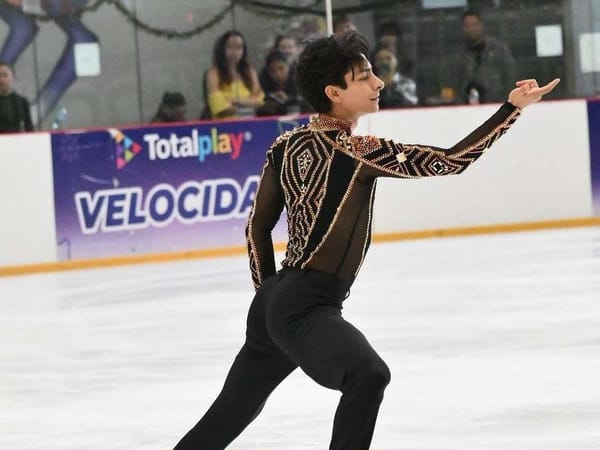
(416, 161)
(322, 123)
(365, 145)
(252, 251)
(316, 158)
(304, 162)
(304, 176)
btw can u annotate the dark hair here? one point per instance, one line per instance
(325, 61)
(220, 60)
(269, 85)
(470, 12)
(169, 100)
(275, 55)
(173, 99)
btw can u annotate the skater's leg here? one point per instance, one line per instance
(255, 373)
(331, 351)
(257, 370)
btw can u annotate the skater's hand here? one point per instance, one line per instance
(528, 92)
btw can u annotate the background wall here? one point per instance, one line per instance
(538, 171)
(27, 226)
(529, 175)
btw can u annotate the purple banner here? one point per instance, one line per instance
(159, 189)
(594, 119)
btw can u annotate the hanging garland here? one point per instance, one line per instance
(171, 34)
(118, 4)
(258, 7)
(265, 9)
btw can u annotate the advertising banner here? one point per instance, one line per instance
(594, 123)
(121, 192)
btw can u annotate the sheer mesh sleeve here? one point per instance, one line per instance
(266, 210)
(381, 157)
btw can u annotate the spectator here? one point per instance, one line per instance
(14, 108)
(284, 44)
(172, 108)
(400, 90)
(389, 34)
(279, 85)
(288, 46)
(343, 24)
(485, 67)
(232, 85)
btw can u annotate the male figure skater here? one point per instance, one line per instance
(325, 177)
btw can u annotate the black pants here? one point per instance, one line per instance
(295, 320)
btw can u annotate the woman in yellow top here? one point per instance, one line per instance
(232, 85)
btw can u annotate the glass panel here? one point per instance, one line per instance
(140, 63)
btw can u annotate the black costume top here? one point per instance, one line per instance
(14, 114)
(325, 177)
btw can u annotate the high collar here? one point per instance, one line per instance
(322, 122)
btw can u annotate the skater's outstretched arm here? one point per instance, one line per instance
(381, 157)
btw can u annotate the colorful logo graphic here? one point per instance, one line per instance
(196, 144)
(125, 147)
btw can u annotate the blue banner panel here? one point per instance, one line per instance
(158, 189)
(594, 122)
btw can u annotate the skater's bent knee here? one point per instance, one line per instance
(373, 376)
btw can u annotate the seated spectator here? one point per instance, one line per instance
(172, 108)
(388, 36)
(399, 90)
(14, 108)
(288, 46)
(279, 85)
(232, 85)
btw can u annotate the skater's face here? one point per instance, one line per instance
(361, 95)
(6, 79)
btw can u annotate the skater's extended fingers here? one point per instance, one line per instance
(532, 83)
(549, 87)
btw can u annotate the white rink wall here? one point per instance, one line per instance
(539, 171)
(27, 226)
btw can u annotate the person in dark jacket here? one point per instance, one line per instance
(14, 108)
(485, 67)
